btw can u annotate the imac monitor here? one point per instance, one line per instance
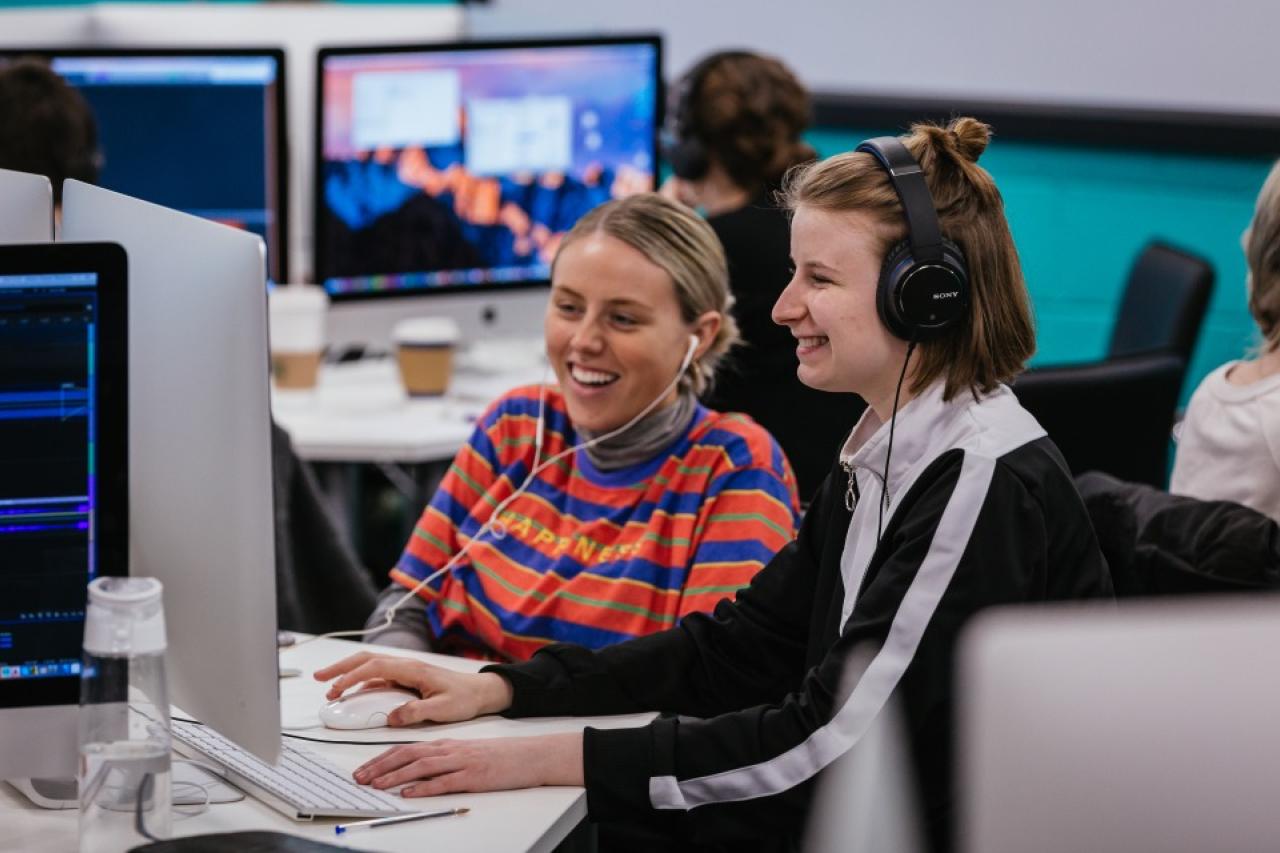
(1130, 728)
(26, 208)
(201, 518)
(63, 483)
(459, 167)
(201, 131)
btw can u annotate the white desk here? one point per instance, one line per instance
(359, 412)
(534, 820)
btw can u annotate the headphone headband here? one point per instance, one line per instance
(907, 178)
(923, 289)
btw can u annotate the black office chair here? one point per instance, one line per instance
(1164, 303)
(1113, 416)
(320, 584)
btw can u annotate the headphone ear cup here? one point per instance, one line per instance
(922, 301)
(897, 263)
(688, 158)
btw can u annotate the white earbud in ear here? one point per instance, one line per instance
(688, 356)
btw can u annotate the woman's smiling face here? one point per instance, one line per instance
(830, 305)
(614, 331)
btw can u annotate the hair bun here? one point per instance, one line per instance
(969, 137)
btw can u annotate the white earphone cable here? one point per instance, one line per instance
(492, 524)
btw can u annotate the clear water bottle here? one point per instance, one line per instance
(124, 782)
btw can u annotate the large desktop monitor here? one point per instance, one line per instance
(457, 168)
(201, 518)
(197, 130)
(1129, 728)
(63, 483)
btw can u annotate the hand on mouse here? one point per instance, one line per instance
(447, 696)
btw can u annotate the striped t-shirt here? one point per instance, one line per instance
(588, 556)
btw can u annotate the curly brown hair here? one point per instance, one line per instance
(749, 111)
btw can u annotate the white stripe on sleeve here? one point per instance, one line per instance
(872, 691)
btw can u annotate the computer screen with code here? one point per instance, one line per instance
(63, 458)
(196, 131)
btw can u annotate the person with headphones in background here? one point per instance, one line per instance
(948, 497)
(614, 504)
(734, 125)
(46, 126)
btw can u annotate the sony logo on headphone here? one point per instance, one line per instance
(947, 294)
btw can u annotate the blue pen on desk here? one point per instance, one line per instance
(400, 818)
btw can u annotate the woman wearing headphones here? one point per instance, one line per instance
(948, 497)
(736, 120)
(665, 509)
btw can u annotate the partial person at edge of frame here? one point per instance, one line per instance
(1229, 441)
(657, 520)
(948, 497)
(735, 125)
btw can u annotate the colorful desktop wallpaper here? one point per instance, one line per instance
(465, 167)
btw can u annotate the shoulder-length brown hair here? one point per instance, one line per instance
(993, 342)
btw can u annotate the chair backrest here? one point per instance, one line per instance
(1112, 416)
(1164, 303)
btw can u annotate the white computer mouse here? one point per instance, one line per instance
(364, 709)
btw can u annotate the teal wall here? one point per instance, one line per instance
(1080, 216)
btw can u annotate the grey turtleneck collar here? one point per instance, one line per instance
(644, 440)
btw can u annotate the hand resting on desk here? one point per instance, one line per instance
(450, 766)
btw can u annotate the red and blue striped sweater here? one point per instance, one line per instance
(594, 557)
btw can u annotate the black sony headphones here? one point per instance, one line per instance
(681, 146)
(924, 282)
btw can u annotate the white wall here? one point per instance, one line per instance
(300, 28)
(1155, 53)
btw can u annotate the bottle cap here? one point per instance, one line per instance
(125, 617)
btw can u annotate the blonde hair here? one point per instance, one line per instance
(1262, 252)
(680, 242)
(992, 344)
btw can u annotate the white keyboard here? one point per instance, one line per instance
(302, 786)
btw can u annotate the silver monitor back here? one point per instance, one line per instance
(866, 800)
(201, 514)
(1142, 728)
(26, 208)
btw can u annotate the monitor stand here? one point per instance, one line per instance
(48, 793)
(192, 786)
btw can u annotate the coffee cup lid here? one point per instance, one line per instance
(297, 297)
(426, 330)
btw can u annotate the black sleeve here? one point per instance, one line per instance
(747, 774)
(749, 651)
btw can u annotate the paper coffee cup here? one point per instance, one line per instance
(424, 349)
(296, 314)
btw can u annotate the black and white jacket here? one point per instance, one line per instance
(981, 511)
